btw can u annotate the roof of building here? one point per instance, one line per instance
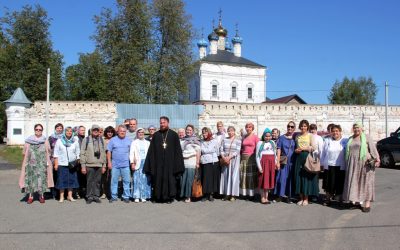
(223, 56)
(286, 99)
(18, 97)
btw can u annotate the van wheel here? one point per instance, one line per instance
(387, 160)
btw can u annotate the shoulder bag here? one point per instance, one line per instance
(312, 164)
(197, 188)
(222, 160)
(71, 164)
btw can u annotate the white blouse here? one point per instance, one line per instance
(334, 153)
(268, 149)
(60, 152)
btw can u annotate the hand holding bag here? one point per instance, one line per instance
(71, 164)
(312, 164)
(225, 161)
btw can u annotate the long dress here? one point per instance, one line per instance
(229, 184)
(359, 184)
(248, 166)
(284, 176)
(141, 181)
(306, 182)
(37, 170)
(164, 164)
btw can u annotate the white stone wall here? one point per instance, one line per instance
(278, 115)
(226, 76)
(70, 114)
(262, 115)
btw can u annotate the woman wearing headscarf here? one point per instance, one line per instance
(58, 132)
(266, 163)
(248, 165)
(230, 151)
(285, 163)
(137, 155)
(36, 172)
(361, 159)
(66, 151)
(211, 172)
(306, 182)
(191, 159)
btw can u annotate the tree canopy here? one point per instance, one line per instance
(350, 91)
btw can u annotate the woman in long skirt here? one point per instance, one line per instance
(191, 159)
(285, 163)
(137, 155)
(248, 165)
(211, 172)
(66, 150)
(36, 171)
(230, 151)
(266, 163)
(361, 160)
(306, 182)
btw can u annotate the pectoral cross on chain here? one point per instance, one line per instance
(164, 145)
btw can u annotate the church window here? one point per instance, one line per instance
(214, 90)
(249, 93)
(233, 92)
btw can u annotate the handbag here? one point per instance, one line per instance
(312, 164)
(283, 159)
(71, 164)
(223, 161)
(197, 188)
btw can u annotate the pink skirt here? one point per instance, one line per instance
(266, 180)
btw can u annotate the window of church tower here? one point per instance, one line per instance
(214, 90)
(249, 93)
(233, 92)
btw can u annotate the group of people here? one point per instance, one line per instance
(227, 164)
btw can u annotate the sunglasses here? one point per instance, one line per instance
(38, 129)
(290, 126)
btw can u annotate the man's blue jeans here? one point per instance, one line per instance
(125, 173)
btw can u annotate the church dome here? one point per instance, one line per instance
(202, 43)
(220, 31)
(213, 36)
(237, 39)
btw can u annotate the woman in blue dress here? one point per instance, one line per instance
(141, 181)
(285, 163)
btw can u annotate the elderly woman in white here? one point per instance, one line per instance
(141, 181)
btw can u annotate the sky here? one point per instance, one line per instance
(305, 45)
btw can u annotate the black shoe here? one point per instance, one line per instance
(89, 201)
(112, 200)
(97, 200)
(126, 200)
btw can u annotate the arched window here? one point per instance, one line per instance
(214, 89)
(250, 93)
(234, 90)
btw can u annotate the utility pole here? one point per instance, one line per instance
(386, 107)
(47, 102)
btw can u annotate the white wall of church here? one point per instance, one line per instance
(227, 76)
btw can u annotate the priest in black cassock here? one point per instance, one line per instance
(164, 162)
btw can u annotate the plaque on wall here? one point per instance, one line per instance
(17, 131)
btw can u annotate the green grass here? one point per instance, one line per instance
(12, 154)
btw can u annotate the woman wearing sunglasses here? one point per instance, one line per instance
(36, 172)
(285, 162)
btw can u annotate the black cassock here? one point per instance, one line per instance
(164, 165)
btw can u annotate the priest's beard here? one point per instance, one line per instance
(164, 129)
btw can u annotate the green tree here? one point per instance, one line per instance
(29, 53)
(25, 54)
(173, 51)
(353, 92)
(124, 41)
(87, 80)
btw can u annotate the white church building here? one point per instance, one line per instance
(223, 75)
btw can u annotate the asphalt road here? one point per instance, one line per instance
(217, 225)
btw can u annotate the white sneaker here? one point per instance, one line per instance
(143, 200)
(136, 200)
